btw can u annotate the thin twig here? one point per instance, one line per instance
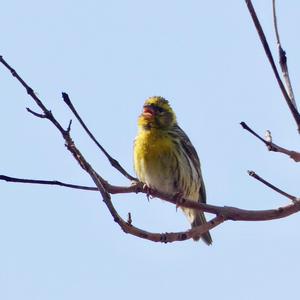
(69, 126)
(272, 146)
(41, 116)
(273, 187)
(129, 219)
(283, 59)
(112, 161)
(47, 182)
(263, 39)
(48, 114)
(245, 126)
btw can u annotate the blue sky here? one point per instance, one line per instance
(206, 59)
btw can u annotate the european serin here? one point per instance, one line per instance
(166, 160)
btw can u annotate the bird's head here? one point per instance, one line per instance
(157, 113)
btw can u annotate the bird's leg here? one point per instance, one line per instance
(147, 189)
(178, 198)
(142, 187)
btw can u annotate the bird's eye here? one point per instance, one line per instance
(159, 109)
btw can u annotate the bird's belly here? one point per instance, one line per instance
(158, 174)
(161, 181)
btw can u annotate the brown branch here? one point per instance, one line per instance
(272, 146)
(283, 60)
(32, 94)
(41, 116)
(47, 182)
(228, 213)
(266, 47)
(112, 161)
(273, 187)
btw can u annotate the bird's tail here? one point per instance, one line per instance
(199, 220)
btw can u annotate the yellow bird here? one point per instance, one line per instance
(166, 160)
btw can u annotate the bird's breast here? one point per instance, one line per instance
(155, 161)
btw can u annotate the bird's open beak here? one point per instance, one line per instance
(148, 112)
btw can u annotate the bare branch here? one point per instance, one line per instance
(283, 60)
(272, 146)
(272, 63)
(129, 219)
(294, 155)
(245, 126)
(41, 116)
(170, 237)
(47, 182)
(69, 126)
(32, 94)
(227, 212)
(112, 161)
(273, 187)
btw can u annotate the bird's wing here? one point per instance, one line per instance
(192, 153)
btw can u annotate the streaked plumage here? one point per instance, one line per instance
(166, 160)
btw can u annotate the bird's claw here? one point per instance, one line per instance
(147, 189)
(178, 197)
